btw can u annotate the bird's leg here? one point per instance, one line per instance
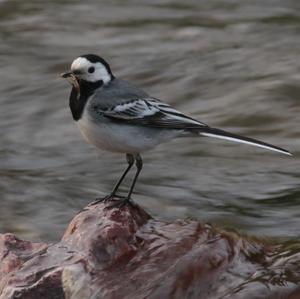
(130, 161)
(127, 199)
(139, 166)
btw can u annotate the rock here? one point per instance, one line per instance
(124, 253)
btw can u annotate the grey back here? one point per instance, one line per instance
(116, 92)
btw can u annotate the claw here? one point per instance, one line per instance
(105, 199)
(122, 203)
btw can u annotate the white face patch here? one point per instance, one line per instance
(83, 66)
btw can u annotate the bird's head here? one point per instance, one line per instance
(89, 68)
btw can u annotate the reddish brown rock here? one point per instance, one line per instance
(124, 253)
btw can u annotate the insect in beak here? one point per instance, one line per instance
(66, 74)
(74, 81)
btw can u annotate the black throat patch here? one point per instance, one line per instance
(78, 99)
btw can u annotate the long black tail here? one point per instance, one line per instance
(217, 133)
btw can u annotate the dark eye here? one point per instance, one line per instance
(91, 69)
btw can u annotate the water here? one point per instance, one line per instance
(231, 64)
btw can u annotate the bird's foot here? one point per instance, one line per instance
(127, 201)
(106, 198)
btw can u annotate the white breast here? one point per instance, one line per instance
(121, 137)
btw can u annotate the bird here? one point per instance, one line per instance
(117, 116)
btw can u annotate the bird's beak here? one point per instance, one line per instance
(66, 74)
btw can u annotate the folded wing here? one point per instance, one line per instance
(153, 113)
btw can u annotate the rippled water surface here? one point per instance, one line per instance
(231, 64)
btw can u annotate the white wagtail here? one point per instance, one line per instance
(115, 115)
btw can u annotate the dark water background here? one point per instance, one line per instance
(231, 64)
